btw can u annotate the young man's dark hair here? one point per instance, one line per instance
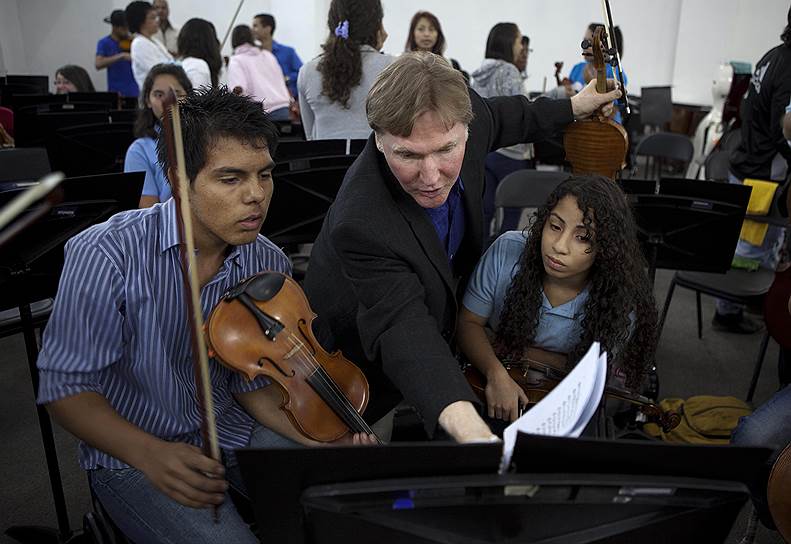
(266, 20)
(209, 114)
(136, 13)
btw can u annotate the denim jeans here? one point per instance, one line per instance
(767, 427)
(144, 514)
(767, 253)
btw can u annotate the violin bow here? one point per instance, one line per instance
(171, 124)
(44, 189)
(613, 41)
(230, 26)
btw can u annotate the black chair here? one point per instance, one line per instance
(716, 166)
(291, 150)
(23, 164)
(738, 286)
(524, 189)
(661, 149)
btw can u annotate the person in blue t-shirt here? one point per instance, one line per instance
(112, 52)
(576, 277)
(142, 154)
(584, 71)
(264, 30)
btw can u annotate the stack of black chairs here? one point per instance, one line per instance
(84, 133)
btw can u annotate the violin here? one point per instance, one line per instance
(538, 378)
(125, 45)
(561, 81)
(597, 146)
(262, 327)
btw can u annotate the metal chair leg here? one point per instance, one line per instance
(668, 298)
(700, 318)
(758, 364)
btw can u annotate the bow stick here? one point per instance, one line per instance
(189, 270)
(44, 189)
(230, 26)
(607, 12)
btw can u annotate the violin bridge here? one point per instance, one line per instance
(293, 350)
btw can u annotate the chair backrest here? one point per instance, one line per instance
(717, 163)
(667, 145)
(656, 106)
(23, 164)
(525, 189)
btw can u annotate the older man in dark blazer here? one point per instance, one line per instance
(405, 233)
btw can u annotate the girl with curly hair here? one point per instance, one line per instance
(333, 87)
(576, 277)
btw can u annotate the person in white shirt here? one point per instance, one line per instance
(166, 34)
(256, 73)
(199, 52)
(146, 53)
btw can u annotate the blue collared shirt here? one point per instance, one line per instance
(142, 157)
(290, 63)
(119, 329)
(448, 220)
(559, 328)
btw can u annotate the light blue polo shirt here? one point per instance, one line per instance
(559, 328)
(142, 157)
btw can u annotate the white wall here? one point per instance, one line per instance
(711, 32)
(667, 42)
(12, 51)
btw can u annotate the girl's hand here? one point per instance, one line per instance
(504, 396)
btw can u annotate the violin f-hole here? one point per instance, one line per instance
(263, 360)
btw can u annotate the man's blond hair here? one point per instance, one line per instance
(413, 84)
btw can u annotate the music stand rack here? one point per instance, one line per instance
(687, 224)
(30, 267)
(573, 490)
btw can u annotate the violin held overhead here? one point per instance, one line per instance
(597, 146)
(262, 327)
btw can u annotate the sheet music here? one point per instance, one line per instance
(567, 409)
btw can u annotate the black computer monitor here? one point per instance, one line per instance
(656, 106)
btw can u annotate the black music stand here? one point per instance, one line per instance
(576, 491)
(687, 224)
(30, 266)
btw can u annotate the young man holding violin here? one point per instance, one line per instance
(116, 364)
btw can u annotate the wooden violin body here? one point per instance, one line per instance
(596, 146)
(538, 378)
(262, 327)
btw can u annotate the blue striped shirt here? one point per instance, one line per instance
(119, 329)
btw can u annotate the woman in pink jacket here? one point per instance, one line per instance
(257, 73)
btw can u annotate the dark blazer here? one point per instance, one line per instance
(379, 278)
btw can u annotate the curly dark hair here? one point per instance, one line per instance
(197, 38)
(619, 289)
(341, 65)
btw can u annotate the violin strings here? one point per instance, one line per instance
(328, 384)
